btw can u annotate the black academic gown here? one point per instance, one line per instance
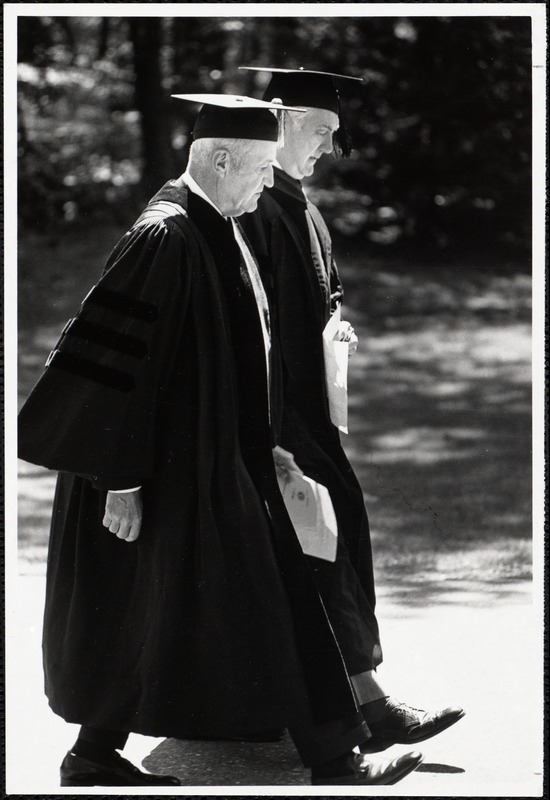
(303, 292)
(210, 622)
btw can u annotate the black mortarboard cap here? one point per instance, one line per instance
(231, 116)
(311, 88)
(304, 87)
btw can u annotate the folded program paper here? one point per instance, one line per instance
(312, 514)
(336, 371)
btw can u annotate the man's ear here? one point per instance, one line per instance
(220, 161)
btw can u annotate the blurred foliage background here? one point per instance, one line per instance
(441, 126)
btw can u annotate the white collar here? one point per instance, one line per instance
(196, 189)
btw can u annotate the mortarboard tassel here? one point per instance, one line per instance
(341, 141)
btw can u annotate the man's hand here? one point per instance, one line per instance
(347, 334)
(285, 464)
(123, 513)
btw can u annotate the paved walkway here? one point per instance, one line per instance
(478, 646)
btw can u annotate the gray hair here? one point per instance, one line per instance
(202, 149)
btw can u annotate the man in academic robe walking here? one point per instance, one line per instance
(294, 250)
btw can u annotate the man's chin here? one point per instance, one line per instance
(250, 205)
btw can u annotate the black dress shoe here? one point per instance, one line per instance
(363, 772)
(407, 725)
(78, 771)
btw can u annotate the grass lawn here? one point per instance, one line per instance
(440, 406)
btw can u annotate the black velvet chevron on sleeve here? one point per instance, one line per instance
(93, 410)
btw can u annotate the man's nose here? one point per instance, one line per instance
(268, 178)
(327, 145)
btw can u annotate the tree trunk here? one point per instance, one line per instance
(147, 39)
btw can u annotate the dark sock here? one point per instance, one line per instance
(376, 710)
(99, 745)
(336, 767)
(102, 754)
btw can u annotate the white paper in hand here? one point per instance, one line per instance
(336, 370)
(312, 514)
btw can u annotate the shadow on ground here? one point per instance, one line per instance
(441, 441)
(237, 764)
(229, 763)
(439, 769)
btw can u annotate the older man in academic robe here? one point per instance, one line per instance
(178, 600)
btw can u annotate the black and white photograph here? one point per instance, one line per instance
(274, 399)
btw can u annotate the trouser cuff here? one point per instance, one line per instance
(319, 743)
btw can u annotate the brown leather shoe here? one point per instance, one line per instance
(364, 772)
(78, 771)
(407, 725)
